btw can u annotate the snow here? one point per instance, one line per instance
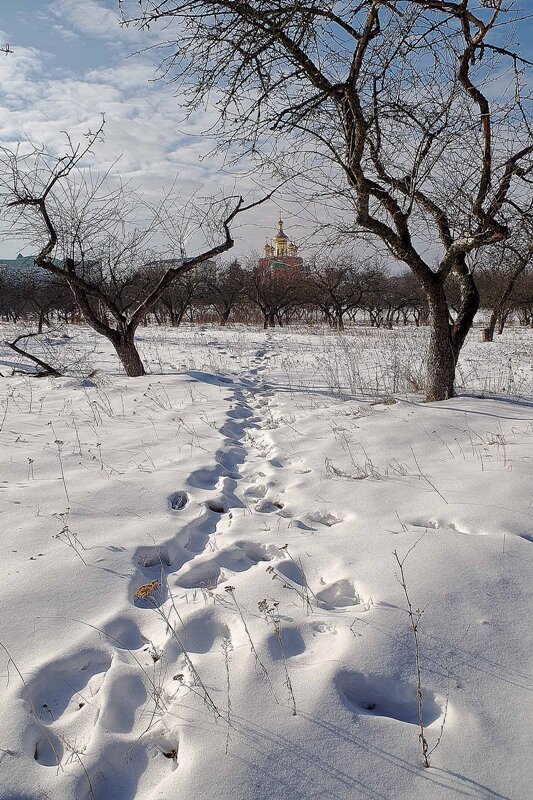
(145, 521)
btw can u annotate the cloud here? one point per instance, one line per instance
(94, 18)
(67, 34)
(143, 132)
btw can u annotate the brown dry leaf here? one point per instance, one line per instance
(145, 591)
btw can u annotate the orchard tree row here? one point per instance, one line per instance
(334, 292)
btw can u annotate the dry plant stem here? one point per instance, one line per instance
(404, 526)
(231, 591)
(308, 590)
(59, 444)
(10, 660)
(445, 715)
(226, 648)
(5, 414)
(78, 756)
(423, 475)
(415, 617)
(208, 700)
(271, 615)
(302, 594)
(66, 536)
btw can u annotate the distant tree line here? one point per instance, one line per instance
(334, 291)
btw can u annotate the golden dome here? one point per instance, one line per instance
(281, 236)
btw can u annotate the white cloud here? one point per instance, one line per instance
(67, 33)
(143, 129)
(93, 18)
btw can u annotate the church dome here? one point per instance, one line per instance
(281, 236)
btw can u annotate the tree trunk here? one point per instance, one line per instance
(441, 358)
(504, 314)
(447, 339)
(488, 332)
(126, 350)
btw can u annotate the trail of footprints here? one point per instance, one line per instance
(91, 710)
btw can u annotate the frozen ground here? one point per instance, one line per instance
(278, 466)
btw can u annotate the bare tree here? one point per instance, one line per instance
(180, 296)
(274, 291)
(501, 269)
(222, 288)
(337, 286)
(90, 237)
(384, 105)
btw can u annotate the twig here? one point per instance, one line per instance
(47, 368)
(415, 617)
(422, 475)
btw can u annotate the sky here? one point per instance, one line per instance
(71, 61)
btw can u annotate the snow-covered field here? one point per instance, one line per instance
(199, 596)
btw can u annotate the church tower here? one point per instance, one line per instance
(280, 253)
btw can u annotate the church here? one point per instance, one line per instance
(280, 253)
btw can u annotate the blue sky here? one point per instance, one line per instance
(57, 30)
(71, 61)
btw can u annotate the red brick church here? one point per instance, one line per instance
(280, 253)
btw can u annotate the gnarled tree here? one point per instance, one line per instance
(90, 236)
(385, 105)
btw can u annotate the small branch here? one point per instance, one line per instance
(414, 617)
(47, 369)
(423, 475)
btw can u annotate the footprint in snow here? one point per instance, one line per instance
(123, 633)
(258, 490)
(204, 478)
(237, 557)
(178, 500)
(59, 688)
(217, 506)
(380, 696)
(324, 518)
(324, 627)
(206, 575)
(268, 506)
(293, 644)
(340, 594)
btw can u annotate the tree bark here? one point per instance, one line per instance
(446, 339)
(504, 314)
(126, 350)
(441, 357)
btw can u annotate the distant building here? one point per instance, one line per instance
(25, 268)
(280, 253)
(16, 265)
